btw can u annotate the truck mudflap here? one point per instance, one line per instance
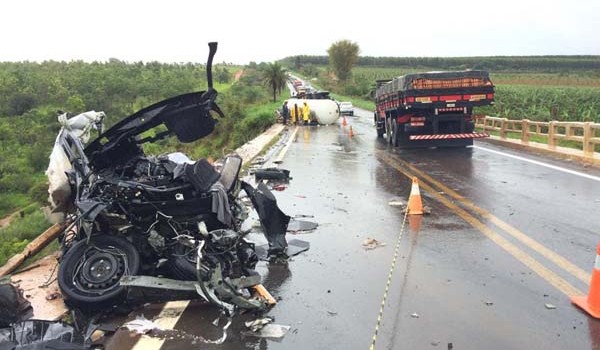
(470, 135)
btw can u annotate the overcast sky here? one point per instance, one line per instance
(177, 30)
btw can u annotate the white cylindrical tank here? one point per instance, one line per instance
(325, 111)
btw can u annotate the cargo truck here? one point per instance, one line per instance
(433, 109)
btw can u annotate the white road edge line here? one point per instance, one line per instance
(564, 170)
(166, 319)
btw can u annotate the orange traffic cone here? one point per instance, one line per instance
(344, 123)
(415, 205)
(591, 302)
(350, 132)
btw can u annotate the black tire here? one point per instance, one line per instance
(182, 263)
(395, 141)
(380, 129)
(89, 273)
(402, 137)
(388, 130)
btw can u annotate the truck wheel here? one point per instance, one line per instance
(402, 137)
(380, 129)
(395, 133)
(388, 130)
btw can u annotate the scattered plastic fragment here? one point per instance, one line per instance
(372, 243)
(264, 328)
(257, 324)
(141, 325)
(301, 225)
(396, 203)
(550, 306)
(414, 315)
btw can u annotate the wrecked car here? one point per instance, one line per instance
(148, 226)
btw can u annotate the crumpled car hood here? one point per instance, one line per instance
(186, 116)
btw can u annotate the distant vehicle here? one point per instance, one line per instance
(346, 108)
(432, 109)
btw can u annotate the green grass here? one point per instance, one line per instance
(20, 232)
(12, 201)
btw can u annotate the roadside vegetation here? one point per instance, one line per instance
(32, 93)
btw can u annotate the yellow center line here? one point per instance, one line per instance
(557, 259)
(548, 275)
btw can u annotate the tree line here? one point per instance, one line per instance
(493, 63)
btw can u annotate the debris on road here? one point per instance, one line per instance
(141, 325)
(414, 315)
(489, 303)
(303, 216)
(296, 226)
(396, 203)
(550, 306)
(372, 243)
(264, 328)
(257, 324)
(272, 174)
(37, 334)
(426, 210)
(294, 247)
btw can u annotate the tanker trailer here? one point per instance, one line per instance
(324, 111)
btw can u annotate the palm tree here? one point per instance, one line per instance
(274, 77)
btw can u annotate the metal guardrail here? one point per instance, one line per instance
(585, 133)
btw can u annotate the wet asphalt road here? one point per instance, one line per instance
(478, 272)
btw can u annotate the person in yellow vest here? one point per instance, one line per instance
(294, 113)
(306, 113)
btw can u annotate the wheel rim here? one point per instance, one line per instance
(100, 270)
